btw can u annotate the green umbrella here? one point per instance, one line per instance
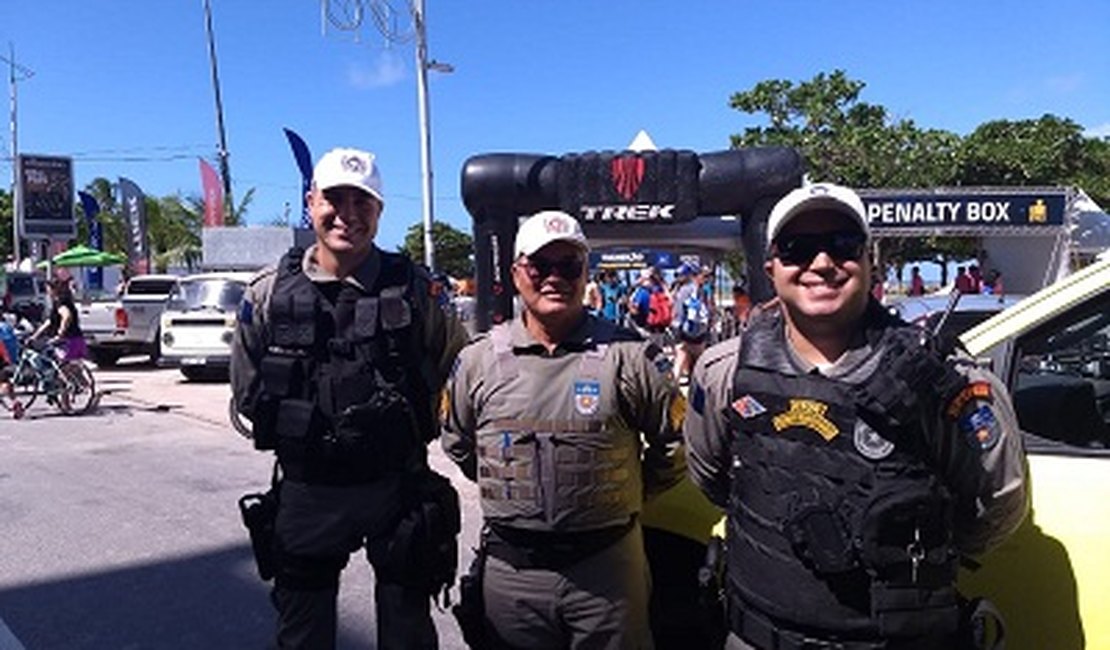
(88, 257)
(78, 251)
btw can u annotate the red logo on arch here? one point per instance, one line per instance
(627, 173)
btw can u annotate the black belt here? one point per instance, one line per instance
(761, 632)
(528, 549)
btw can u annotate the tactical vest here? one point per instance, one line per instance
(832, 528)
(342, 397)
(563, 464)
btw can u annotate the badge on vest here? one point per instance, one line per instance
(748, 407)
(869, 443)
(809, 414)
(587, 397)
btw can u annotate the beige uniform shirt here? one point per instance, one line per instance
(443, 335)
(992, 478)
(546, 388)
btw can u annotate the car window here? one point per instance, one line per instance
(150, 287)
(1062, 378)
(218, 294)
(21, 285)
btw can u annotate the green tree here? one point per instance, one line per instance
(454, 249)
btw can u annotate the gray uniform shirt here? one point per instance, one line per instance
(443, 336)
(650, 407)
(992, 478)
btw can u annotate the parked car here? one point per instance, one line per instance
(199, 323)
(1051, 580)
(127, 325)
(24, 294)
(970, 310)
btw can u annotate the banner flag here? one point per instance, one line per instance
(94, 275)
(134, 212)
(304, 164)
(213, 195)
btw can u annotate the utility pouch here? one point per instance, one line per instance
(470, 611)
(264, 418)
(818, 537)
(912, 611)
(259, 512)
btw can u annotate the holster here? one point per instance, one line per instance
(470, 611)
(259, 511)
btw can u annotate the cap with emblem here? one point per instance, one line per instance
(818, 196)
(548, 227)
(348, 168)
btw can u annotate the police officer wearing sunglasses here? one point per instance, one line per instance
(565, 420)
(858, 459)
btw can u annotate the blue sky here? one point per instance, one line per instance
(124, 86)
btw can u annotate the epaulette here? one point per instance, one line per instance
(262, 275)
(727, 349)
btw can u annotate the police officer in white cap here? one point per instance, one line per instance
(856, 456)
(337, 357)
(564, 420)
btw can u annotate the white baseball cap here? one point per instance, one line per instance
(818, 196)
(350, 168)
(547, 227)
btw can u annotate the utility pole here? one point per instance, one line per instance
(26, 73)
(225, 169)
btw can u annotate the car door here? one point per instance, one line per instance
(1052, 578)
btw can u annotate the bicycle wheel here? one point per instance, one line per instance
(78, 388)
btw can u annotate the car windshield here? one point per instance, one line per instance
(215, 293)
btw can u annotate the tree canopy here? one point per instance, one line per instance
(454, 249)
(846, 140)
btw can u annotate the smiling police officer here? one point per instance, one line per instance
(336, 359)
(856, 458)
(565, 420)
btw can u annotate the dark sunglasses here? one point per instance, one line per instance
(800, 249)
(538, 268)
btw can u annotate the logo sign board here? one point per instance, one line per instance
(632, 259)
(993, 210)
(646, 186)
(45, 197)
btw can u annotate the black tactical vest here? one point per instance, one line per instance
(833, 530)
(342, 397)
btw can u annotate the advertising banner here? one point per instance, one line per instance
(213, 195)
(94, 276)
(133, 203)
(45, 197)
(304, 165)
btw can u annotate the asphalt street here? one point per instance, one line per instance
(119, 529)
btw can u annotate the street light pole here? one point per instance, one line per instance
(425, 131)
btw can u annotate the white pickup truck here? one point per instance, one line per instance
(129, 324)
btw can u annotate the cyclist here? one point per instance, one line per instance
(9, 356)
(63, 322)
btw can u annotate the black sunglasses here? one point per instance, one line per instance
(800, 249)
(538, 268)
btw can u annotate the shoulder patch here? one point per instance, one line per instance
(246, 312)
(980, 428)
(977, 390)
(658, 358)
(697, 397)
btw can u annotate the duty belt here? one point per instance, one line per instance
(762, 633)
(526, 549)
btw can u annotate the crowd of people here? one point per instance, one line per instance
(854, 464)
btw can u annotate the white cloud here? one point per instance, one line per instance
(1099, 131)
(385, 70)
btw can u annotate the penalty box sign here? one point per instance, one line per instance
(45, 197)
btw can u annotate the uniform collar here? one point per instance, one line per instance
(363, 277)
(580, 339)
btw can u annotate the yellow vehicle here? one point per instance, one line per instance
(1051, 580)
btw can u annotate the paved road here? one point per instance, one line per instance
(118, 529)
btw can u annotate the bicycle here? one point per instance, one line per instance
(68, 385)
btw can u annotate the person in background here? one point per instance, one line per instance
(593, 299)
(976, 285)
(964, 282)
(917, 284)
(856, 459)
(691, 319)
(63, 324)
(566, 422)
(992, 284)
(9, 357)
(466, 306)
(612, 295)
